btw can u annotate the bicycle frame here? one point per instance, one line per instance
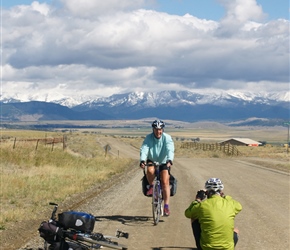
(95, 241)
(157, 198)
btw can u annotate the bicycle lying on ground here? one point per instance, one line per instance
(73, 231)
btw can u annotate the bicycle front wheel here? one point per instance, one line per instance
(156, 202)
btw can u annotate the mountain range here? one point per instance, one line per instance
(271, 108)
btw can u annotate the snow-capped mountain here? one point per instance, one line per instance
(152, 99)
(181, 98)
(51, 97)
(174, 105)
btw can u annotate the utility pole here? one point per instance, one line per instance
(288, 125)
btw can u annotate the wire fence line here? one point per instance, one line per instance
(227, 148)
(45, 141)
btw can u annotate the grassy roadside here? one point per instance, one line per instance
(31, 178)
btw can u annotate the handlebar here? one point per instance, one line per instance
(155, 164)
(53, 214)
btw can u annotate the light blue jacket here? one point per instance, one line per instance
(159, 150)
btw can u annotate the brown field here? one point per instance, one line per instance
(206, 131)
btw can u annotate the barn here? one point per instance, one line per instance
(241, 142)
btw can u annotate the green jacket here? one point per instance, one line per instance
(216, 217)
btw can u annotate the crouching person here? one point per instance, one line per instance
(212, 217)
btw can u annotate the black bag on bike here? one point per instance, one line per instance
(173, 185)
(79, 221)
(49, 231)
(145, 185)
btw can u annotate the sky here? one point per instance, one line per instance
(79, 48)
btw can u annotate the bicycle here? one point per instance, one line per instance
(157, 197)
(56, 236)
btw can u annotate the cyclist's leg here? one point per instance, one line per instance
(164, 175)
(150, 174)
(196, 233)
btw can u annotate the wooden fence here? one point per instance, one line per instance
(228, 148)
(46, 141)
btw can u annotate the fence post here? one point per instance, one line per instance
(225, 148)
(52, 144)
(36, 145)
(14, 143)
(64, 142)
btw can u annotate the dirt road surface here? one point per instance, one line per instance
(264, 194)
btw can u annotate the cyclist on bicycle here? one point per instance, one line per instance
(212, 219)
(158, 146)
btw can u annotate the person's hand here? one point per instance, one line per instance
(222, 194)
(169, 163)
(142, 164)
(200, 195)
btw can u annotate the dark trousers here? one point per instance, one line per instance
(197, 231)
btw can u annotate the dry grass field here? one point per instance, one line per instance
(206, 131)
(34, 173)
(31, 178)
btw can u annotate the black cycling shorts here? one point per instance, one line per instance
(161, 166)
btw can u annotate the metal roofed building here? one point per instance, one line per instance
(241, 142)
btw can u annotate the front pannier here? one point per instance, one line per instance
(79, 221)
(49, 231)
(145, 185)
(173, 185)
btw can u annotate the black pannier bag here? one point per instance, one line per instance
(52, 234)
(145, 185)
(49, 231)
(79, 221)
(172, 183)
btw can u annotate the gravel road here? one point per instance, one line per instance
(264, 194)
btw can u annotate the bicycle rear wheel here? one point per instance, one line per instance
(156, 202)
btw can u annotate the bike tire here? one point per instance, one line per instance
(156, 203)
(113, 245)
(103, 243)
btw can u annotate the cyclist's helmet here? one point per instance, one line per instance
(158, 124)
(214, 184)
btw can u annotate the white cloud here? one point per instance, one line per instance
(94, 8)
(242, 11)
(115, 46)
(42, 8)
